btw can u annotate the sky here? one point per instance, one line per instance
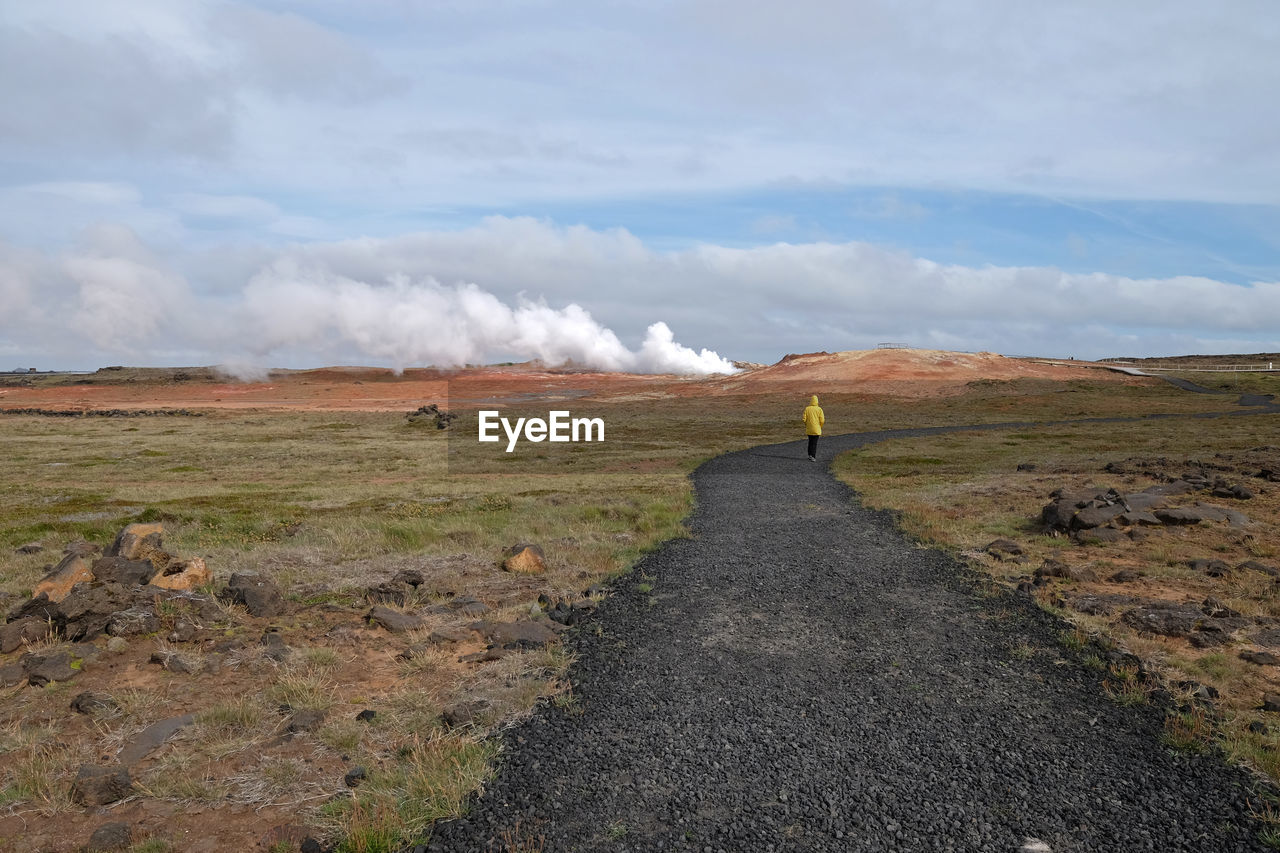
(640, 185)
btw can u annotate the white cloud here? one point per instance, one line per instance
(525, 289)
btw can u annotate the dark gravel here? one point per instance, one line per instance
(801, 677)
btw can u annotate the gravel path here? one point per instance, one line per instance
(800, 677)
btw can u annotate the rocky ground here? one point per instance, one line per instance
(798, 676)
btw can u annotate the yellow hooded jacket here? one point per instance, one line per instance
(813, 417)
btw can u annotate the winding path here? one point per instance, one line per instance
(800, 677)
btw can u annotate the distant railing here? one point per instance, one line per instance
(1269, 367)
(894, 346)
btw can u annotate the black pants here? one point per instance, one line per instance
(813, 445)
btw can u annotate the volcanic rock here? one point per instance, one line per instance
(188, 575)
(259, 595)
(525, 558)
(120, 570)
(395, 621)
(57, 584)
(137, 541)
(99, 786)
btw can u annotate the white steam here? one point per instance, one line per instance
(424, 322)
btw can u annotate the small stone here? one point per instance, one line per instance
(1034, 845)
(29, 548)
(354, 777)
(367, 716)
(260, 595)
(1004, 549)
(462, 714)
(1271, 702)
(44, 667)
(1125, 576)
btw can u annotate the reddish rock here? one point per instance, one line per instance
(184, 575)
(525, 559)
(137, 541)
(57, 584)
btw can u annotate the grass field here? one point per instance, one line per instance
(328, 504)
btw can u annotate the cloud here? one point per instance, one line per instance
(518, 289)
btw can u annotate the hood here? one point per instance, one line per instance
(813, 401)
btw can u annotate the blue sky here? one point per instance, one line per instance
(300, 183)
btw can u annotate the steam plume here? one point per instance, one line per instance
(424, 322)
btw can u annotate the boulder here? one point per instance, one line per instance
(1052, 568)
(1135, 518)
(57, 585)
(100, 786)
(1178, 516)
(86, 612)
(1004, 549)
(120, 570)
(137, 541)
(1141, 501)
(519, 634)
(259, 595)
(1170, 620)
(1099, 535)
(94, 704)
(44, 667)
(448, 636)
(185, 575)
(525, 558)
(1260, 658)
(134, 622)
(1212, 568)
(110, 838)
(1237, 492)
(395, 621)
(21, 632)
(1058, 514)
(1095, 516)
(12, 674)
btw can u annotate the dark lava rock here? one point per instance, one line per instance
(22, 632)
(172, 661)
(1125, 576)
(120, 570)
(305, 720)
(462, 714)
(152, 738)
(1258, 727)
(1026, 466)
(395, 621)
(1095, 516)
(1138, 518)
(110, 838)
(1178, 515)
(99, 786)
(1215, 609)
(133, 622)
(520, 634)
(1254, 565)
(44, 667)
(1212, 568)
(1271, 702)
(274, 644)
(367, 716)
(1052, 568)
(1267, 637)
(260, 595)
(1171, 489)
(449, 636)
(466, 605)
(12, 674)
(411, 577)
(1170, 620)
(1260, 658)
(29, 548)
(1238, 492)
(1099, 535)
(92, 703)
(1004, 549)
(354, 776)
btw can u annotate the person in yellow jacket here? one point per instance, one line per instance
(813, 421)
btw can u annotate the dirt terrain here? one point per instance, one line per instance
(899, 373)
